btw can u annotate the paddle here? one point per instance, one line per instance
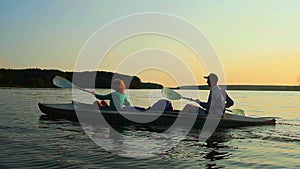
(173, 95)
(64, 83)
(239, 112)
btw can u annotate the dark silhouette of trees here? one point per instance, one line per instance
(43, 78)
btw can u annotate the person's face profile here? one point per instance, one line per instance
(208, 82)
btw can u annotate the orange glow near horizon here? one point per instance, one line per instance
(257, 41)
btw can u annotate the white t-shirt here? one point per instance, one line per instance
(218, 96)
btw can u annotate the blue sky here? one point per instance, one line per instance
(257, 41)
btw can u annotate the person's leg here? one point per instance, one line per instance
(162, 105)
(98, 103)
(101, 104)
(190, 108)
(104, 104)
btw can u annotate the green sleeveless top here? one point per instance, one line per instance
(117, 100)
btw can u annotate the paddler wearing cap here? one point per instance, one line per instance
(217, 101)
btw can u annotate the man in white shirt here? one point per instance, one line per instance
(218, 99)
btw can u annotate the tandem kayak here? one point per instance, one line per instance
(67, 111)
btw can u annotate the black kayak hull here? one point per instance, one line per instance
(67, 111)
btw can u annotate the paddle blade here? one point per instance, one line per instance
(239, 112)
(171, 94)
(62, 82)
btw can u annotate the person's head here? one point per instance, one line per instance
(118, 85)
(212, 80)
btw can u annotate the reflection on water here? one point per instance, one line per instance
(206, 153)
(211, 150)
(216, 145)
(30, 141)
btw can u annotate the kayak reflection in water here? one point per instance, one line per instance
(117, 99)
(218, 99)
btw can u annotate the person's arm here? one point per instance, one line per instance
(127, 102)
(229, 101)
(103, 97)
(206, 105)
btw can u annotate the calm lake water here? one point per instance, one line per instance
(28, 142)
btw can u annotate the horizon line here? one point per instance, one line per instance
(229, 84)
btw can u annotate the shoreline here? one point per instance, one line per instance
(230, 88)
(247, 88)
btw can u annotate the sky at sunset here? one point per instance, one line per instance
(257, 41)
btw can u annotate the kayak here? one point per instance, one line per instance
(67, 111)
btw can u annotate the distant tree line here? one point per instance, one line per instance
(43, 78)
(247, 87)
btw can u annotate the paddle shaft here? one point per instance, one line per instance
(194, 100)
(79, 88)
(65, 83)
(189, 99)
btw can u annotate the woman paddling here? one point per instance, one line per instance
(117, 99)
